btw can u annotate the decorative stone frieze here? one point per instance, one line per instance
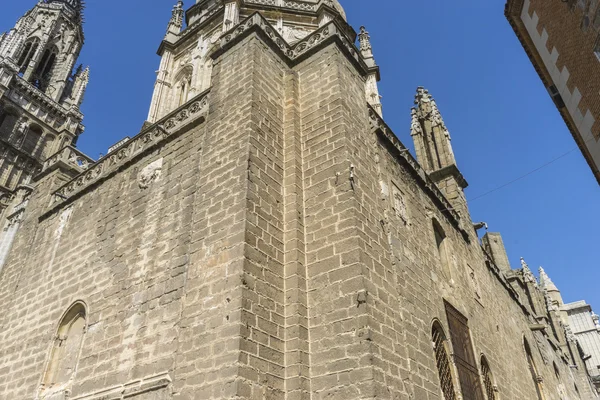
(136, 146)
(298, 50)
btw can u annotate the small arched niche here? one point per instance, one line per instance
(65, 351)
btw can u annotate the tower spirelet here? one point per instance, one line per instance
(527, 273)
(371, 87)
(176, 22)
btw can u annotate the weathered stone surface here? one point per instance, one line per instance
(286, 250)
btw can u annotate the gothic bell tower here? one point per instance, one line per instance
(40, 90)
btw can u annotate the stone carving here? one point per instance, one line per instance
(399, 205)
(528, 276)
(292, 34)
(150, 174)
(596, 320)
(415, 125)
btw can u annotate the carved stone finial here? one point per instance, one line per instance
(546, 282)
(527, 274)
(415, 125)
(596, 320)
(365, 43)
(176, 22)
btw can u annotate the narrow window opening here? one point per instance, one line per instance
(32, 140)
(29, 50)
(43, 72)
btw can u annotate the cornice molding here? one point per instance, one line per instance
(194, 111)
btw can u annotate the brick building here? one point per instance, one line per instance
(266, 236)
(561, 37)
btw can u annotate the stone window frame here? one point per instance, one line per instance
(182, 85)
(77, 308)
(489, 382)
(464, 355)
(27, 52)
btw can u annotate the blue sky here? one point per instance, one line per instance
(502, 121)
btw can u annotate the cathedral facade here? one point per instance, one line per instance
(264, 236)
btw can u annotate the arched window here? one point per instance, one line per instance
(65, 350)
(441, 243)
(183, 92)
(488, 379)
(533, 370)
(183, 85)
(43, 72)
(27, 53)
(7, 123)
(443, 362)
(32, 140)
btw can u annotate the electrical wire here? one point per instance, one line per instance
(530, 172)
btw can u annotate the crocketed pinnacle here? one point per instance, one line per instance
(546, 282)
(527, 274)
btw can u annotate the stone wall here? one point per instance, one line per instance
(283, 248)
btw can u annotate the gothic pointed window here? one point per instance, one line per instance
(488, 379)
(65, 351)
(533, 370)
(27, 53)
(43, 72)
(442, 360)
(7, 124)
(32, 140)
